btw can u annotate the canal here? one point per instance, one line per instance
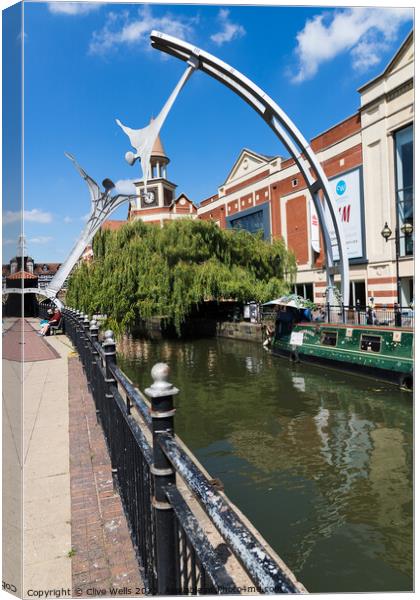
(319, 461)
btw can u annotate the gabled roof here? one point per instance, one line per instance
(390, 66)
(182, 195)
(22, 275)
(256, 158)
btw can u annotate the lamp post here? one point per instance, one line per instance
(406, 229)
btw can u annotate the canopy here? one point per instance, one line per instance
(292, 300)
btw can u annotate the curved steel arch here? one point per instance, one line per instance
(288, 134)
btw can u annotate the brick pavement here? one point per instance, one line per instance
(103, 554)
(20, 343)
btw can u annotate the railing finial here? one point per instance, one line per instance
(161, 386)
(109, 337)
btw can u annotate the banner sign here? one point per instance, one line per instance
(346, 192)
(314, 228)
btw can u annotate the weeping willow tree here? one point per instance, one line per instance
(142, 271)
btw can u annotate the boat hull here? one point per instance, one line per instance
(389, 360)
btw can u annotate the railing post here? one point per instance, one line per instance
(80, 336)
(94, 336)
(87, 350)
(358, 311)
(110, 353)
(397, 315)
(343, 310)
(162, 393)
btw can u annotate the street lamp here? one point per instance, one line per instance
(406, 229)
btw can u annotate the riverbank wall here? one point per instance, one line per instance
(155, 328)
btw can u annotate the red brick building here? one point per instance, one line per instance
(368, 159)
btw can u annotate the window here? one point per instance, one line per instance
(306, 290)
(370, 343)
(253, 222)
(329, 338)
(404, 185)
(294, 182)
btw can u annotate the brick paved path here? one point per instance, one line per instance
(20, 343)
(103, 557)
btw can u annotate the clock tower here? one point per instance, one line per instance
(155, 204)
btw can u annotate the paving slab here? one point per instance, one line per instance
(46, 497)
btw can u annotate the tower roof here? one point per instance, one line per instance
(158, 150)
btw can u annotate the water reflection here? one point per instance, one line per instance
(321, 462)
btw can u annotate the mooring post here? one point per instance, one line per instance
(110, 352)
(162, 393)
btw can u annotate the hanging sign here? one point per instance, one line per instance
(347, 195)
(314, 229)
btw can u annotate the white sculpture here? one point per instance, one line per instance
(102, 205)
(143, 139)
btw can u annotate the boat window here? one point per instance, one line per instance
(329, 338)
(370, 343)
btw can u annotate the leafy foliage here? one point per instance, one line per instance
(142, 271)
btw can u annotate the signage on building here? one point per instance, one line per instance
(314, 229)
(347, 193)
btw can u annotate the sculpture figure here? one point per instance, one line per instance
(143, 139)
(103, 203)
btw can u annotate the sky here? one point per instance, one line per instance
(86, 64)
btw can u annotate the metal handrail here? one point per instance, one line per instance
(260, 566)
(145, 473)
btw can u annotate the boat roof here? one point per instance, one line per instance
(383, 328)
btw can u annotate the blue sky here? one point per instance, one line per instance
(87, 64)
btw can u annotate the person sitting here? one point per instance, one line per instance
(54, 319)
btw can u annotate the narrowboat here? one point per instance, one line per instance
(382, 351)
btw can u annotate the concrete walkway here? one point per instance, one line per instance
(64, 528)
(47, 508)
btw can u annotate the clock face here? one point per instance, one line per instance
(148, 197)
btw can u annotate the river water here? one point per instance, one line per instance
(319, 461)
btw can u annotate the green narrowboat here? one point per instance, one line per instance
(382, 352)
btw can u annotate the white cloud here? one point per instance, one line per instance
(365, 32)
(9, 242)
(125, 186)
(230, 31)
(42, 239)
(120, 29)
(68, 220)
(34, 215)
(73, 8)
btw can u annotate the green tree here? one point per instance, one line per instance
(142, 271)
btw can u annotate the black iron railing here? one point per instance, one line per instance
(395, 316)
(152, 469)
